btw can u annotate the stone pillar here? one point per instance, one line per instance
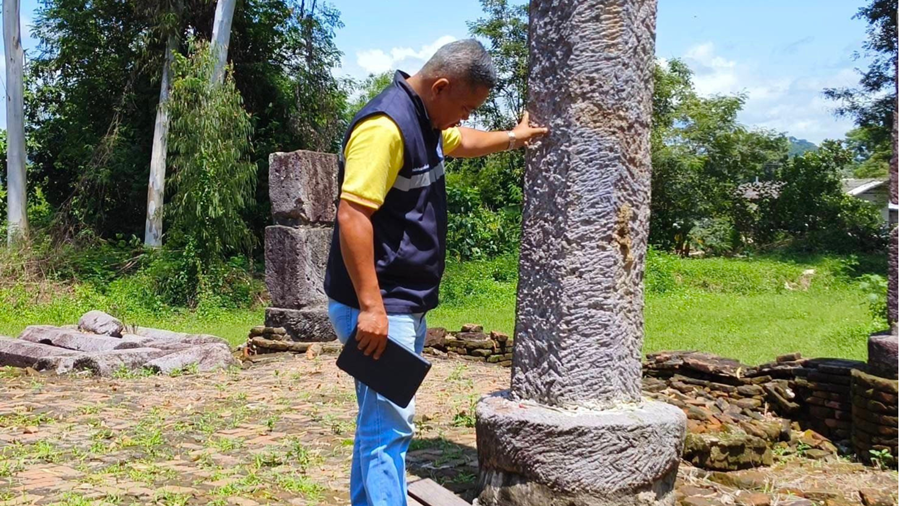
(892, 255)
(302, 189)
(574, 430)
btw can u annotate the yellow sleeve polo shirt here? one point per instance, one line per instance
(373, 158)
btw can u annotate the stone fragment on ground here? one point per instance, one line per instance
(98, 322)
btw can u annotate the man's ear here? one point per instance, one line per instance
(440, 86)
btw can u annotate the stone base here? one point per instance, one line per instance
(310, 324)
(883, 355)
(536, 455)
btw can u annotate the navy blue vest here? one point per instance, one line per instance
(410, 228)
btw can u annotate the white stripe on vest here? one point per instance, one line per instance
(406, 184)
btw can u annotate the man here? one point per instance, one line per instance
(387, 252)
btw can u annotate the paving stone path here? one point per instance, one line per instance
(281, 432)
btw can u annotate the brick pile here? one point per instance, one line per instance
(471, 343)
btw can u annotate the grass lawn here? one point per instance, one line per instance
(738, 308)
(753, 328)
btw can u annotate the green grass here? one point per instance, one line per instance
(736, 307)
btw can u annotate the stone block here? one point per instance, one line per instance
(206, 357)
(727, 451)
(109, 362)
(303, 187)
(98, 322)
(836, 379)
(176, 336)
(136, 341)
(295, 265)
(309, 324)
(78, 341)
(869, 381)
(883, 355)
(533, 455)
(434, 337)
(19, 353)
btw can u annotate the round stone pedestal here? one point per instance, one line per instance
(883, 354)
(540, 456)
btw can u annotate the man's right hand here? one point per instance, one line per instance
(371, 332)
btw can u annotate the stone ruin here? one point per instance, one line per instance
(471, 344)
(104, 346)
(738, 414)
(574, 430)
(303, 190)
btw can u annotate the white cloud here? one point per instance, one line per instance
(791, 104)
(376, 61)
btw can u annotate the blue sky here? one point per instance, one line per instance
(780, 53)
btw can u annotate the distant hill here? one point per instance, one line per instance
(800, 146)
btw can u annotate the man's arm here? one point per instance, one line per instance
(357, 248)
(479, 143)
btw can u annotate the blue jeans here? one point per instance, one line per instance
(383, 429)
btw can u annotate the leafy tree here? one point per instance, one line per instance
(812, 206)
(700, 156)
(873, 103)
(212, 177)
(94, 87)
(871, 156)
(499, 177)
(368, 89)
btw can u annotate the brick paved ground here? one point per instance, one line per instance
(280, 432)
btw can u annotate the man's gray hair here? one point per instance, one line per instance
(463, 59)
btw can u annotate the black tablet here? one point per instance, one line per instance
(396, 375)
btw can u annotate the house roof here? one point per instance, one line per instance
(859, 186)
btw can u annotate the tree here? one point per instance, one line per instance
(156, 188)
(368, 89)
(213, 178)
(94, 90)
(220, 37)
(871, 156)
(701, 155)
(873, 104)
(16, 208)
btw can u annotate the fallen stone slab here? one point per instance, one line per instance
(79, 341)
(177, 336)
(162, 344)
(59, 364)
(107, 363)
(207, 357)
(98, 322)
(19, 353)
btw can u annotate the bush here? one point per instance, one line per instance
(476, 232)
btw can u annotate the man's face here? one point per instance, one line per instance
(453, 101)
